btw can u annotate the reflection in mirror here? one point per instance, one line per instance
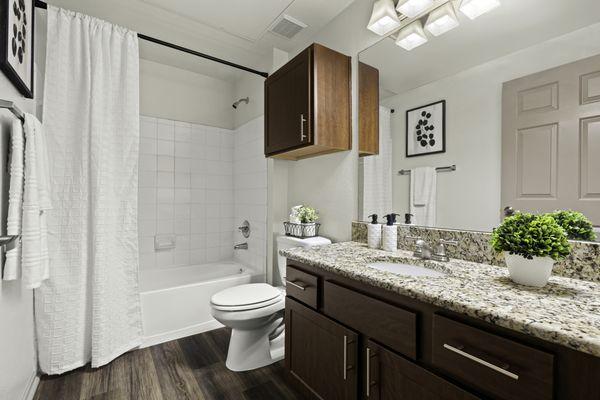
(511, 99)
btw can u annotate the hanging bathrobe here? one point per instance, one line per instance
(89, 308)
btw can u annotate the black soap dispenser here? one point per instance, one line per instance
(374, 233)
(408, 218)
(389, 241)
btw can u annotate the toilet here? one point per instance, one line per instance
(254, 312)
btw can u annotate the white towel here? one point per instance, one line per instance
(36, 201)
(423, 182)
(12, 264)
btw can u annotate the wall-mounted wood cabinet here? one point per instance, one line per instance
(308, 105)
(368, 110)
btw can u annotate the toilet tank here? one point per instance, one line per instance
(287, 242)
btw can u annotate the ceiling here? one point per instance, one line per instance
(515, 25)
(234, 30)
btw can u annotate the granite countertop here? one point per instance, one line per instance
(566, 311)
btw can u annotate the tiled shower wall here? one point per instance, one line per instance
(250, 191)
(200, 183)
(186, 190)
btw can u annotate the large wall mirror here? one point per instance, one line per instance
(504, 108)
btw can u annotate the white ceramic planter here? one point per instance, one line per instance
(535, 272)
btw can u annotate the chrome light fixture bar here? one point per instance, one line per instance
(412, 8)
(442, 20)
(411, 36)
(384, 18)
(475, 8)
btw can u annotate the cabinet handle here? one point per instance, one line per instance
(302, 121)
(345, 356)
(296, 285)
(368, 372)
(459, 351)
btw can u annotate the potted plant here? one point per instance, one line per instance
(308, 217)
(575, 224)
(531, 244)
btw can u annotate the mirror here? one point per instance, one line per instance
(504, 109)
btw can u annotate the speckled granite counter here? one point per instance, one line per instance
(565, 311)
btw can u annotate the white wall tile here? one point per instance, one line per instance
(165, 148)
(165, 131)
(165, 163)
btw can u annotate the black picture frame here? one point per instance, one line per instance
(5, 66)
(443, 119)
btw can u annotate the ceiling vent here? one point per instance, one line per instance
(287, 26)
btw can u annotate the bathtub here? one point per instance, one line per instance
(175, 301)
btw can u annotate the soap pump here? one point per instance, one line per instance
(374, 233)
(390, 233)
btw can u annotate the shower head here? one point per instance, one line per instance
(244, 100)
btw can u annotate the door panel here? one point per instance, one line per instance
(321, 353)
(550, 139)
(392, 377)
(287, 106)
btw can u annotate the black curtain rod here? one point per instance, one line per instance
(41, 4)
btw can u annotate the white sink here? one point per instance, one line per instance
(405, 269)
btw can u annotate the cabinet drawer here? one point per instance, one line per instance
(498, 367)
(301, 286)
(390, 325)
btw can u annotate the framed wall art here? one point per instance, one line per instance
(426, 129)
(16, 43)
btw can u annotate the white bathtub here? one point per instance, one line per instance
(175, 301)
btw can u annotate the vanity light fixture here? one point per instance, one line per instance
(384, 18)
(441, 20)
(411, 36)
(474, 8)
(412, 8)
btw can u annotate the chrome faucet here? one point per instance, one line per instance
(241, 246)
(422, 249)
(440, 250)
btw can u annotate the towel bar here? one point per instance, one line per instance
(4, 240)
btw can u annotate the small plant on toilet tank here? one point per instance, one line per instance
(308, 217)
(531, 245)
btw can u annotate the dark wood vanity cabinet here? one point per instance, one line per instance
(349, 340)
(307, 105)
(320, 353)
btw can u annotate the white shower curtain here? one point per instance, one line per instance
(377, 172)
(89, 309)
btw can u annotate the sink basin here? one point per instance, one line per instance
(405, 269)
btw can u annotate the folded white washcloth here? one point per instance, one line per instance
(35, 260)
(12, 264)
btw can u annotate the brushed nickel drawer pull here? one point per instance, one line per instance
(345, 356)
(369, 382)
(296, 285)
(478, 360)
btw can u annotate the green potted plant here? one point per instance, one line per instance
(531, 245)
(575, 224)
(308, 217)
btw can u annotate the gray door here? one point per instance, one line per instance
(551, 140)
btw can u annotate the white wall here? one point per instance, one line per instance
(470, 197)
(252, 86)
(330, 182)
(18, 365)
(177, 94)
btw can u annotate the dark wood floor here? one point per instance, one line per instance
(188, 368)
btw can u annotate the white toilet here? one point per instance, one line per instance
(254, 312)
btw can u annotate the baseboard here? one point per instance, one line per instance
(148, 341)
(32, 386)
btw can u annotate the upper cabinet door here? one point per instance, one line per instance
(368, 110)
(307, 105)
(287, 106)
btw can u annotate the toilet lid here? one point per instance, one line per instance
(244, 295)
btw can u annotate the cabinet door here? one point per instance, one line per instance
(388, 376)
(320, 353)
(287, 106)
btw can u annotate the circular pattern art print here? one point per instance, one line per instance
(425, 129)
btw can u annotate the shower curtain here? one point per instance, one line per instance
(377, 172)
(89, 308)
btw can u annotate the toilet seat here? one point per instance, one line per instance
(246, 297)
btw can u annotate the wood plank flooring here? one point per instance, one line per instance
(191, 368)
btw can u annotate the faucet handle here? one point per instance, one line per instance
(440, 250)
